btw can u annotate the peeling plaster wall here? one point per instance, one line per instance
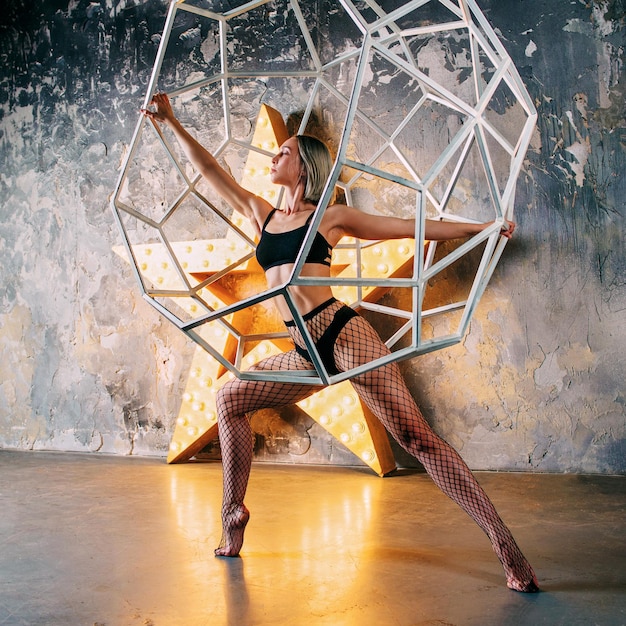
(87, 365)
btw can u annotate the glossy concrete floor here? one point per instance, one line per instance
(110, 541)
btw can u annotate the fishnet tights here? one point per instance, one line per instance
(386, 394)
(235, 400)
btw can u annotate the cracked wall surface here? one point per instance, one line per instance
(87, 365)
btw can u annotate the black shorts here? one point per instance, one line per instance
(326, 343)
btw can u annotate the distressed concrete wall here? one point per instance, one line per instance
(86, 365)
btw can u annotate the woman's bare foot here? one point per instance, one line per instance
(233, 526)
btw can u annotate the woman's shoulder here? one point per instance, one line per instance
(338, 214)
(337, 220)
(337, 211)
(261, 209)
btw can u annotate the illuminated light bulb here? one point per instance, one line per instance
(211, 334)
(228, 260)
(383, 268)
(404, 250)
(198, 406)
(368, 456)
(148, 251)
(345, 437)
(192, 431)
(264, 348)
(263, 121)
(269, 145)
(376, 251)
(250, 171)
(185, 265)
(210, 416)
(160, 280)
(182, 421)
(358, 427)
(188, 249)
(205, 263)
(144, 266)
(325, 420)
(265, 171)
(187, 397)
(336, 411)
(349, 400)
(210, 247)
(193, 308)
(195, 372)
(174, 446)
(305, 404)
(207, 382)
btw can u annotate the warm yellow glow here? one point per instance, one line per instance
(196, 424)
(391, 259)
(336, 408)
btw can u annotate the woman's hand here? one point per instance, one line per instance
(507, 229)
(163, 111)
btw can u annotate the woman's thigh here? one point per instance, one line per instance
(243, 396)
(383, 389)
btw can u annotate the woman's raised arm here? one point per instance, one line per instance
(242, 200)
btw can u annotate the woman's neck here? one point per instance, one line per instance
(294, 200)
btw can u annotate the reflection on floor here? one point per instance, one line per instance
(93, 540)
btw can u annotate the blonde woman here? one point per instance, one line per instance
(343, 338)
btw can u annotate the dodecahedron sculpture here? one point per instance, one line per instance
(426, 114)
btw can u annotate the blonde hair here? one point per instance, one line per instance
(317, 163)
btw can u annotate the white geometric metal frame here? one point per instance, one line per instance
(490, 118)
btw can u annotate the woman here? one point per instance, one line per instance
(343, 338)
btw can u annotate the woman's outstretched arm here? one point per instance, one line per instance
(355, 223)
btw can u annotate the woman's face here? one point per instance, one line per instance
(286, 165)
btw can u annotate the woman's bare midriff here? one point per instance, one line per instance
(306, 297)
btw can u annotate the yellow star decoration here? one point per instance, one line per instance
(336, 408)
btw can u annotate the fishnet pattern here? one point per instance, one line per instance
(235, 400)
(386, 394)
(316, 325)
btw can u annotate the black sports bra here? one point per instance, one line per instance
(282, 248)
